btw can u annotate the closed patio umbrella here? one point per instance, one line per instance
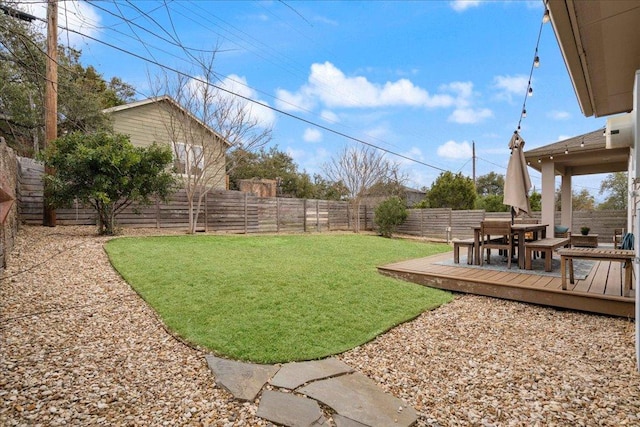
(517, 182)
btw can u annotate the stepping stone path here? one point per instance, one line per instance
(354, 399)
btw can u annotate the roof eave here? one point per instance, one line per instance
(563, 20)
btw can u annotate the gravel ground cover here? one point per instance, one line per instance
(79, 347)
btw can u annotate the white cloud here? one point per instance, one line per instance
(413, 153)
(329, 116)
(508, 86)
(265, 116)
(558, 115)
(312, 135)
(379, 132)
(463, 101)
(330, 86)
(455, 150)
(470, 115)
(462, 5)
(75, 15)
(462, 90)
(288, 101)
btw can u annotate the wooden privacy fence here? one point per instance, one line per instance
(221, 211)
(448, 224)
(238, 212)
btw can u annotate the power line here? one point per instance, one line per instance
(253, 101)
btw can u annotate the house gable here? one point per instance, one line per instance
(152, 120)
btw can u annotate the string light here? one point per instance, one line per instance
(539, 160)
(551, 157)
(535, 64)
(566, 150)
(582, 142)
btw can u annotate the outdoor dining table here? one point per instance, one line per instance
(539, 232)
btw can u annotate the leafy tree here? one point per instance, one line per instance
(389, 215)
(582, 201)
(328, 190)
(266, 164)
(82, 92)
(107, 172)
(453, 191)
(535, 201)
(490, 184)
(492, 203)
(278, 165)
(617, 186)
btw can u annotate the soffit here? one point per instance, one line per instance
(600, 42)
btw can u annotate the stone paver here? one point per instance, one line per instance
(356, 400)
(293, 375)
(360, 399)
(341, 421)
(243, 380)
(290, 410)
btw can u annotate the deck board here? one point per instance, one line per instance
(600, 292)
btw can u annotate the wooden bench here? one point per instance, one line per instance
(598, 254)
(469, 243)
(547, 246)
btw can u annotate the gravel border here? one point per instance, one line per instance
(80, 347)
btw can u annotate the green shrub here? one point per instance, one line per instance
(389, 215)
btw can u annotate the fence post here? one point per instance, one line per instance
(158, 213)
(246, 220)
(206, 212)
(365, 218)
(328, 215)
(277, 214)
(317, 215)
(304, 215)
(348, 217)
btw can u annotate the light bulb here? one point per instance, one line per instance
(539, 161)
(536, 62)
(530, 91)
(524, 113)
(550, 157)
(545, 17)
(582, 143)
(566, 151)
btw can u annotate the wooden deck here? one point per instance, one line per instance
(600, 292)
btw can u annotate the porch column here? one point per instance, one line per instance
(566, 216)
(548, 196)
(635, 154)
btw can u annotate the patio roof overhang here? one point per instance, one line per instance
(581, 155)
(600, 43)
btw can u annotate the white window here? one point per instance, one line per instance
(187, 159)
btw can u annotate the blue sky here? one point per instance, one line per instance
(424, 78)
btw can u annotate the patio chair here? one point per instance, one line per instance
(618, 234)
(502, 239)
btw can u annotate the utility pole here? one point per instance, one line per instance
(51, 97)
(473, 161)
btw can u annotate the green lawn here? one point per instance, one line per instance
(278, 298)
